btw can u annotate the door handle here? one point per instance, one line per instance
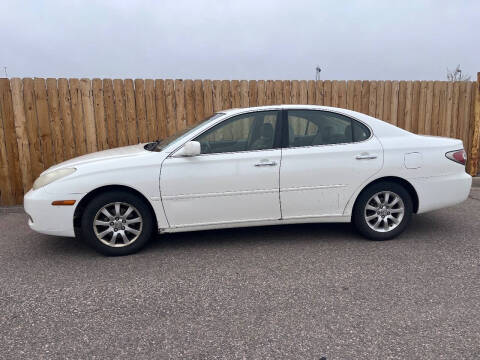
(266, 162)
(365, 156)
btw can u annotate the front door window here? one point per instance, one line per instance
(246, 132)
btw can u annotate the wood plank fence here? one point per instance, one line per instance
(46, 121)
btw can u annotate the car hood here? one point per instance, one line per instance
(121, 152)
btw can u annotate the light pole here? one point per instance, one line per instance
(317, 72)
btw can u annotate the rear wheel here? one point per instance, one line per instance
(382, 211)
(117, 223)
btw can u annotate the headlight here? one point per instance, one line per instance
(47, 178)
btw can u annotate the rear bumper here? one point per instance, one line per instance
(45, 218)
(441, 191)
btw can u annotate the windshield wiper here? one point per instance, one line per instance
(153, 145)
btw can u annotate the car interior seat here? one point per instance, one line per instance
(265, 140)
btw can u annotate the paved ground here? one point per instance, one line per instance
(306, 291)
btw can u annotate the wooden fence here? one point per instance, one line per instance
(46, 121)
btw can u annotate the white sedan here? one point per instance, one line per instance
(267, 165)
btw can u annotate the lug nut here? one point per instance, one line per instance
(116, 218)
(124, 221)
(115, 229)
(111, 223)
(123, 227)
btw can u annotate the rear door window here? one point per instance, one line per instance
(316, 127)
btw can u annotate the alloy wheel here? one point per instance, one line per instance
(384, 211)
(118, 224)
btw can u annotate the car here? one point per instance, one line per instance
(266, 165)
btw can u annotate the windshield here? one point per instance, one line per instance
(161, 144)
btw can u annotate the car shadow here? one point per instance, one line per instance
(422, 226)
(255, 236)
(222, 238)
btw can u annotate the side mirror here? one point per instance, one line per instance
(191, 148)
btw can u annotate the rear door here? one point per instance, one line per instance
(328, 155)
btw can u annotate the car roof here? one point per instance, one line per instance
(234, 111)
(274, 107)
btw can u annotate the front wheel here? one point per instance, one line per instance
(382, 211)
(117, 223)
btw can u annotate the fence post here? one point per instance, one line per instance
(474, 151)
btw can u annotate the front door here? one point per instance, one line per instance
(328, 156)
(235, 179)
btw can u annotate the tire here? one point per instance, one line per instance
(118, 235)
(366, 220)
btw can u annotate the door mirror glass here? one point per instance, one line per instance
(191, 148)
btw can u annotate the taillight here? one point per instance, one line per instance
(459, 156)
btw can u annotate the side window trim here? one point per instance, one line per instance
(284, 129)
(285, 133)
(277, 140)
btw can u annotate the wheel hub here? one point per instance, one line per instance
(118, 224)
(383, 211)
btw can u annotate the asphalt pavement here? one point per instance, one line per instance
(293, 292)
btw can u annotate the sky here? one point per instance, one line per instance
(244, 39)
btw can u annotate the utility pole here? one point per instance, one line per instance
(5, 69)
(317, 72)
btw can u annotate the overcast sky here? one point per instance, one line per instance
(244, 39)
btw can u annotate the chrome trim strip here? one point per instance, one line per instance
(228, 193)
(224, 222)
(304, 188)
(258, 222)
(295, 217)
(280, 108)
(226, 152)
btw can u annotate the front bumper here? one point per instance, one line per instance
(46, 218)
